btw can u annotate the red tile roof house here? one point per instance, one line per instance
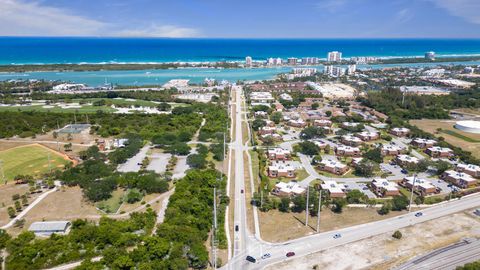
(439, 152)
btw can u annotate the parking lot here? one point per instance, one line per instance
(362, 187)
(443, 186)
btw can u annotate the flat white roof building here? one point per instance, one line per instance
(261, 97)
(333, 163)
(335, 189)
(289, 188)
(419, 182)
(407, 159)
(46, 228)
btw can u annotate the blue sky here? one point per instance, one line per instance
(242, 18)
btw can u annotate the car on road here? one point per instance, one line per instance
(336, 236)
(266, 256)
(241, 191)
(251, 259)
(236, 228)
(404, 171)
(290, 254)
(419, 214)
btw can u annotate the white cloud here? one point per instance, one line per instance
(160, 31)
(466, 9)
(21, 18)
(26, 19)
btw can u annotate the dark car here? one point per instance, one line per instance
(251, 259)
(290, 254)
(236, 228)
(404, 171)
(419, 214)
(337, 235)
(241, 191)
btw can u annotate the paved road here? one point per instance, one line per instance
(132, 164)
(447, 258)
(318, 242)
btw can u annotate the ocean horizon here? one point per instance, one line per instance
(98, 50)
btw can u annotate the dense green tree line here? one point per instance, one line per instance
(85, 240)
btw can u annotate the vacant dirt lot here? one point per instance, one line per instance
(385, 252)
(432, 125)
(276, 226)
(6, 193)
(65, 204)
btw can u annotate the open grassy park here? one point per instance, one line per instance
(30, 159)
(445, 128)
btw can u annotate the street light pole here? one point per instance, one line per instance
(319, 207)
(306, 206)
(413, 190)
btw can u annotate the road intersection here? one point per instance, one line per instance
(249, 243)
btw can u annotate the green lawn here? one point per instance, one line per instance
(111, 205)
(460, 136)
(30, 160)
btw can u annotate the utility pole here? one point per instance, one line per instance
(319, 207)
(413, 190)
(49, 163)
(261, 198)
(306, 206)
(214, 246)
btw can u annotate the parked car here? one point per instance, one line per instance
(419, 214)
(266, 256)
(404, 171)
(251, 259)
(290, 254)
(336, 236)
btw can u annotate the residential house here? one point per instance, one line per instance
(403, 160)
(278, 154)
(351, 140)
(283, 189)
(333, 166)
(421, 186)
(335, 190)
(423, 143)
(345, 150)
(471, 169)
(400, 132)
(459, 179)
(278, 169)
(368, 135)
(439, 152)
(384, 188)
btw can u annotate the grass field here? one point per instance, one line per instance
(30, 160)
(467, 141)
(112, 205)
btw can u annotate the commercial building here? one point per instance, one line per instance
(335, 190)
(248, 61)
(334, 56)
(345, 150)
(368, 135)
(423, 143)
(278, 154)
(424, 90)
(261, 98)
(430, 55)
(471, 169)
(400, 132)
(46, 228)
(459, 179)
(383, 187)
(404, 160)
(292, 61)
(421, 186)
(470, 126)
(333, 166)
(439, 152)
(278, 169)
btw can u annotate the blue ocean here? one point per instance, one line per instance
(36, 50)
(33, 50)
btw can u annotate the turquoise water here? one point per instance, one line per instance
(23, 50)
(195, 75)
